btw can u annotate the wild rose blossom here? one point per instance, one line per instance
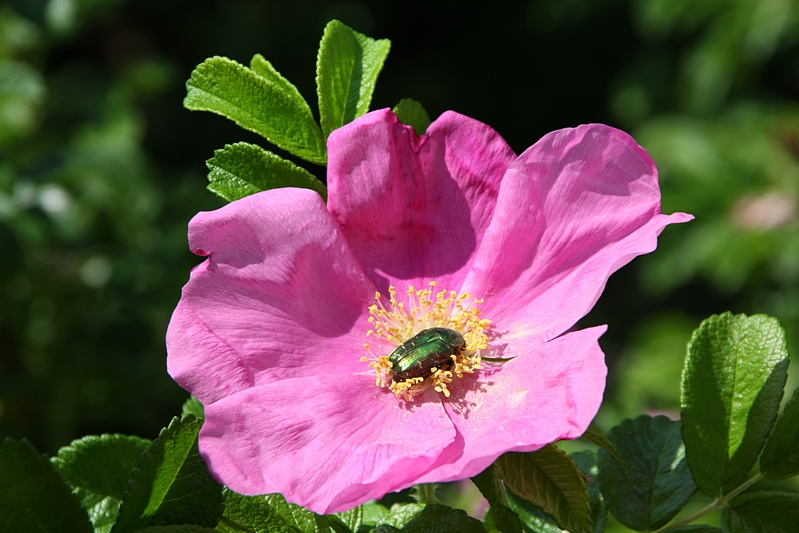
(284, 331)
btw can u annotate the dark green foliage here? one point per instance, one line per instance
(762, 512)
(587, 463)
(731, 392)
(780, 457)
(33, 497)
(92, 229)
(656, 483)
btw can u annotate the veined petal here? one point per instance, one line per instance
(280, 295)
(415, 208)
(572, 209)
(549, 394)
(325, 445)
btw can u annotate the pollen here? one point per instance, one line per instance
(396, 319)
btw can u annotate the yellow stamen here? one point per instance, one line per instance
(397, 323)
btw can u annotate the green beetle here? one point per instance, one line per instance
(429, 348)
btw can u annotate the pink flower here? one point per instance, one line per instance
(271, 329)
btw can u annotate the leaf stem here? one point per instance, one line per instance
(715, 505)
(425, 493)
(707, 509)
(743, 486)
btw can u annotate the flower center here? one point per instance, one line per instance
(437, 337)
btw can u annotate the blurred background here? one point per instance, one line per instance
(101, 169)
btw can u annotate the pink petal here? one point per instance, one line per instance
(574, 208)
(325, 445)
(415, 208)
(552, 393)
(280, 295)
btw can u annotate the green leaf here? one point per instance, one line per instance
(300, 517)
(255, 103)
(417, 518)
(402, 513)
(657, 482)
(374, 513)
(346, 72)
(549, 479)
(352, 518)
(488, 521)
(587, 462)
(533, 519)
(242, 169)
(264, 68)
(98, 468)
(192, 406)
(411, 113)
(762, 512)
(731, 391)
(780, 457)
(443, 519)
(594, 436)
(33, 497)
(490, 485)
(253, 514)
(336, 524)
(171, 485)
